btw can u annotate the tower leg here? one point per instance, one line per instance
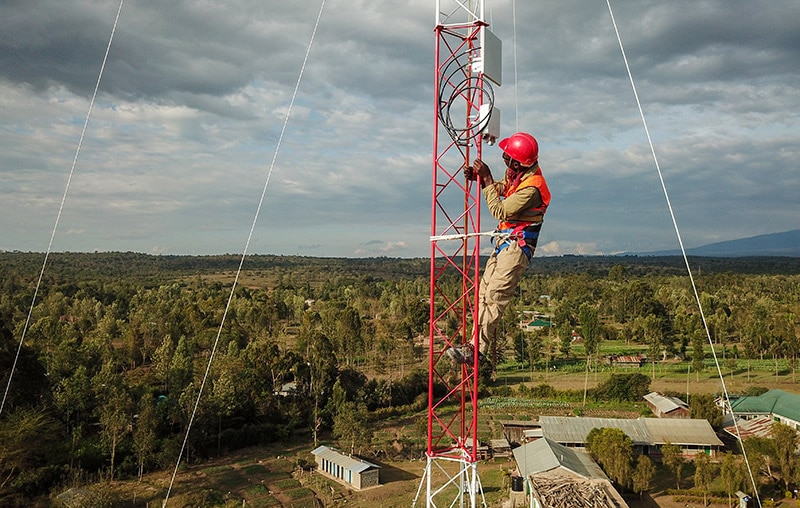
(456, 484)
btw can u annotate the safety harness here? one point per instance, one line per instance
(520, 235)
(523, 232)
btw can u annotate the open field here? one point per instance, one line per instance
(672, 375)
(665, 380)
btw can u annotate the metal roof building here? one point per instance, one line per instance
(345, 468)
(545, 455)
(760, 426)
(647, 434)
(558, 476)
(517, 431)
(666, 407)
(572, 431)
(783, 406)
(694, 432)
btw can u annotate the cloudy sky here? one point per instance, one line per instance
(195, 93)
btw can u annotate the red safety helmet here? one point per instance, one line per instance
(521, 147)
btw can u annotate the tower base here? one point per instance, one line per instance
(451, 482)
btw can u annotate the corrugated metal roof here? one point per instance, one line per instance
(760, 426)
(570, 429)
(628, 359)
(519, 423)
(545, 454)
(539, 323)
(532, 433)
(665, 404)
(499, 443)
(354, 464)
(681, 432)
(774, 401)
(642, 431)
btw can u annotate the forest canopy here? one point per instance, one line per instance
(117, 345)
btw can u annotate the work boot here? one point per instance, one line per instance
(461, 355)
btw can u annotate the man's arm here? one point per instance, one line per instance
(510, 207)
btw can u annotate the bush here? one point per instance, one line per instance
(623, 387)
(543, 391)
(755, 391)
(37, 481)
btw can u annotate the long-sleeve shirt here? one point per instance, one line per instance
(512, 207)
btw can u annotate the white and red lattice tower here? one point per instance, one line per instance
(467, 63)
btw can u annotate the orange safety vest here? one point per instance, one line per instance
(534, 180)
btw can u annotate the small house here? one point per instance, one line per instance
(347, 469)
(779, 405)
(536, 324)
(500, 447)
(560, 477)
(666, 407)
(518, 431)
(627, 360)
(288, 389)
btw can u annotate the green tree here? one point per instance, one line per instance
(190, 406)
(25, 435)
(786, 442)
(617, 273)
(320, 375)
(145, 435)
(704, 474)
(338, 397)
(534, 348)
(704, 407)
(115, 419)
(760, 452)
(792, 342)
(623, 387)
(590, 329)
(73, 397)
(652, 328)
(698, 352)
(564, 339)
(30, 382)
(731, 363)
(342, 325)
(732, 475)
(352, 426)
(223, 401)
(162, 358)
(613, 449)
(643, 474)
(519, 344)
(181, 369)
(672, 457)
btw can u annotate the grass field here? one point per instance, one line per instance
(671, 375)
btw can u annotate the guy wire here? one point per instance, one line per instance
(683, 251)
(244, 253)
(60, 208)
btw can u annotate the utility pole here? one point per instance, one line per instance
(468, 61)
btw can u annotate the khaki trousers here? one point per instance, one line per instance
(500, 279)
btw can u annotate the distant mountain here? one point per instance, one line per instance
(785, 244)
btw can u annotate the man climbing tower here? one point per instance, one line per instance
(519, 201)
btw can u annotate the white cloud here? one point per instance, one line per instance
(194, 97)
